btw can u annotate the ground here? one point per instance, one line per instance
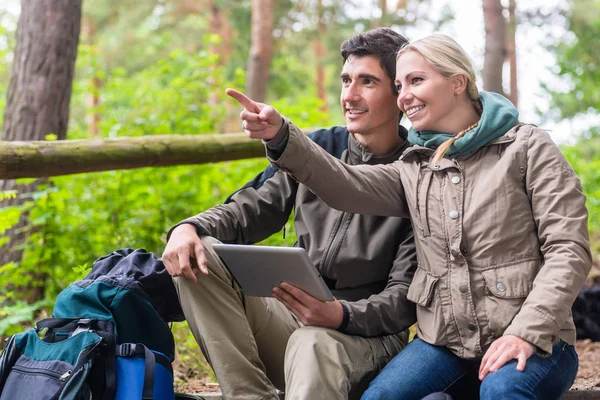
(588, 377)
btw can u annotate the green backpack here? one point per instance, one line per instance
(105, 340)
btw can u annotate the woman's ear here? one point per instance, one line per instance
(459, 83)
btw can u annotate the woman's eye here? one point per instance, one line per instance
(398, 88)
(416, 80)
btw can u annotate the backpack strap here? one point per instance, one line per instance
(54, 323)
(72, 326)
(110, 374)
(137, 350)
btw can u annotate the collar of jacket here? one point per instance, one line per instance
(499, 115)
(358, 154)
(416, 150)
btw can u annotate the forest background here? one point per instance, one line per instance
(159, 67)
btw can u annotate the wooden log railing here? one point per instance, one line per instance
(36, 159)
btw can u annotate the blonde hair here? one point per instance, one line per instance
(448, 58)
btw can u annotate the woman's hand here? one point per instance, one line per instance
(259, 121)
(503, 350)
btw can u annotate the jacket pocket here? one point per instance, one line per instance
(506, 288)
(421, 288)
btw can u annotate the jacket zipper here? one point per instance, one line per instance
(40, 371)
(335, 243)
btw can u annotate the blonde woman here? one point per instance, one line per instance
(500, 227)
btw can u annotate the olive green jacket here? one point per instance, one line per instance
(367, 261)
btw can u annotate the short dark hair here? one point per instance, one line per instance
(382, 43)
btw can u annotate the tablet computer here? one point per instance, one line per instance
(258, 269)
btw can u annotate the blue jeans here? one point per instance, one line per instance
(421, 369)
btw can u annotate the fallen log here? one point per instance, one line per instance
(35, 159)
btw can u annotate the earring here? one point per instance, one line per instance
(455, 94)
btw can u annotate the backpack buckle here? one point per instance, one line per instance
(83, 325)
(126, 350)
(84, 322)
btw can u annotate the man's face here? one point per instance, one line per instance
(367, 99)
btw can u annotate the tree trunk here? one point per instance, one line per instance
(495, 45)
(93, 102)
(383, 8)
(261, 49)
(39, 90)
(53, 158)
(383, 20)
(93, 97)
(511, 47)
(320, 53)
(42, 71)
(219, 25)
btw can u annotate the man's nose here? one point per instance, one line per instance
(351, 93)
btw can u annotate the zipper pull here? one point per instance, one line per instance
(66, 375)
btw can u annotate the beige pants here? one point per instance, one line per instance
(256, 345)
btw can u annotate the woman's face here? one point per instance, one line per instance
(425, 96)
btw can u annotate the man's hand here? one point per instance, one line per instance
(259, 121)
(503, 350)
(183, 249)
(310, 311)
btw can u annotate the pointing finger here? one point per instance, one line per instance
(244, 100)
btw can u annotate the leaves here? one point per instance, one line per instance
(8, 194)
(73, 220)
(584, 157)
(14, 315)
(578, 58)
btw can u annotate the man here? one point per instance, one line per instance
(294, 342)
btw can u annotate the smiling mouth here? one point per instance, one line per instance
(355, 111)
(414, 110)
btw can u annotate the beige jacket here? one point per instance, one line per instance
(501, 235)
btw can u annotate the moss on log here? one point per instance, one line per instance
(64, 157)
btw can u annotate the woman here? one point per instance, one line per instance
(500, 226)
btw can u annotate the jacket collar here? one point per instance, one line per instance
(508, 137)
(358, 154)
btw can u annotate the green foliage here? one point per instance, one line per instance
(9, 216)
(8, 194)
(13, 316)
(306, 109)
(179, 94)
(584, 156)
(75, 219)
(579, 61)
(189, 354)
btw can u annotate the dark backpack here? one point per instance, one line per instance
(586, 313)
(106, 339)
